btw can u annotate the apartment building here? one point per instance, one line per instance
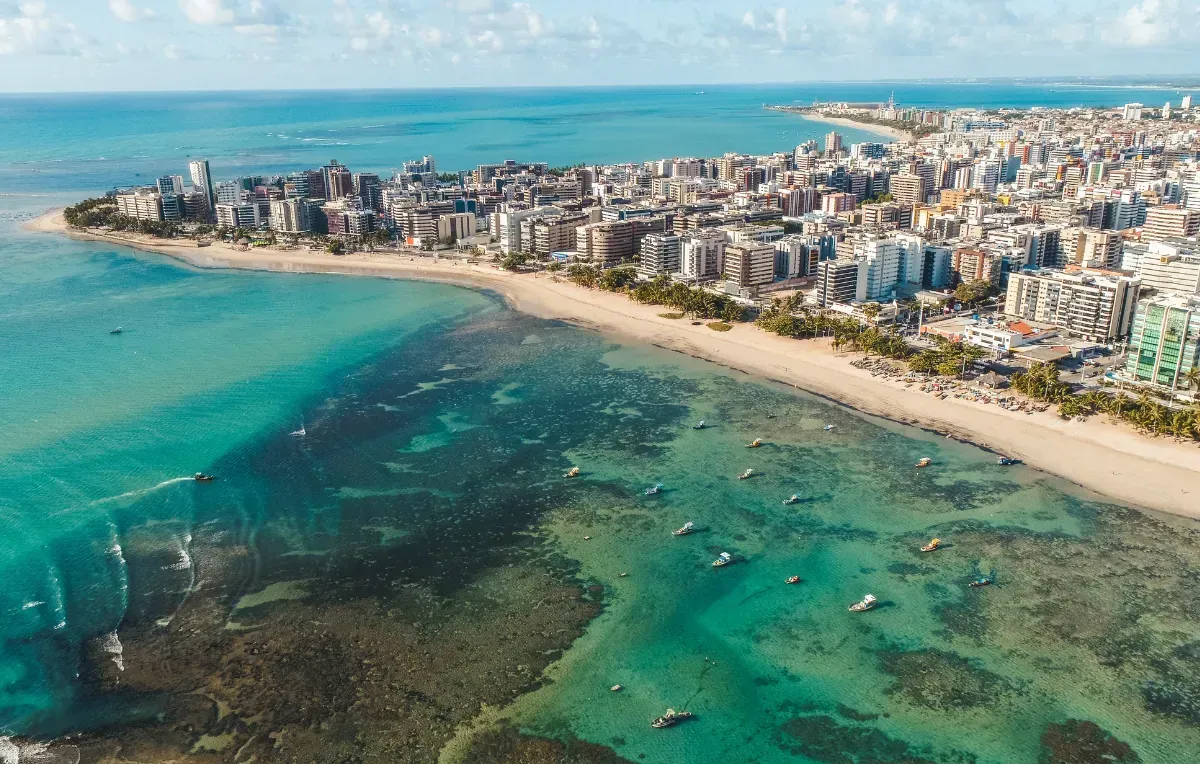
(1164, 343)
(1096, 307)
(659, 254)
(750, 265)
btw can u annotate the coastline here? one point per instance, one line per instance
(896, 134)
(1112, 460)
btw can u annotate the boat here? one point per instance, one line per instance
(828, 427)
(685, 530)
(299, 433)
(670, 718)
(655, 489)
(932, 545)
(573, 472)
(754, 443)
(865, 604)
(793, 499)
(200, 477)
(746, 474)
(925, 461)
(771, 416)
(699, 425)
(1004, 461)
(118, 330)
(793, 580)
(616, 688)
(724, 559)
(981, 581)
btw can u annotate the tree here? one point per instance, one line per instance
(514, 261)
(973, 293)
(335, 247)
(871, 311)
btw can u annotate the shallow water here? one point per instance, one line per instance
(437, 428)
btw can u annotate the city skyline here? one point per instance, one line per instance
(265, 44)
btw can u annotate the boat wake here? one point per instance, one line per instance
(142, 491)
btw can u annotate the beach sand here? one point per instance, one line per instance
(1109, 458)
(896, 134)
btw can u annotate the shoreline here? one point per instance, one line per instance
(895, 133)
(1111, 460)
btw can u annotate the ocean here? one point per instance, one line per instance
(390, 542)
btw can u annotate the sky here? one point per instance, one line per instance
(98, 45)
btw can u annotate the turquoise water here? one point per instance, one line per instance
(427, 482)
(437, 425)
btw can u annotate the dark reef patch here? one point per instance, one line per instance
(1083, 742)
(941, 680)
(506, 745)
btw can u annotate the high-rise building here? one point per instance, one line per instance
(1098, 249)
(702, 254)
(835, 203)
(1170, 221)
(338, 182)
(659, 254)
(202, 180)
(238, 215)
(882, 257)
(796, 256)
(969, 265)
(833, 142)
(841, 281)
(1186, 103)
(290, 215)
(170, 184)
(1131, 112)
(750, 265)
(1164, 343)
(455, 226)
(230, 192)
(142, 204)
(1171, 266)
(1096, 307)
(908, 189)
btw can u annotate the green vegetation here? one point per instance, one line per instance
(720, 326)
(660, 291)
(335, 247)
(880, 198)
(974, 293)
(670, 315)
(947, 359)
(514, 261)
(91, 212)
(1042, 383)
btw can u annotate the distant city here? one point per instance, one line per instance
(1074, 230)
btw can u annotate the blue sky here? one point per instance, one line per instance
(48, 45)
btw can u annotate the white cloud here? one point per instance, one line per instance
(431, 37)
(264, 32)
(206, 11)
(471, 6)
(125, 10)
(1145, 24)
(171, 52)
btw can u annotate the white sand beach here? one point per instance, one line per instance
(1111, 459)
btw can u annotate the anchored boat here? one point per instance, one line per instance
(699, 425)
(980, 582)
(925, 461)
(722, 560)
(865, 604)
(793, 580)
(746, 474)
(573, 472)
(754, 443)
(685, 530)
(828, 427)
(793, 499)
(932, 545)
(657, 488)
(200, 477)
(670, 718)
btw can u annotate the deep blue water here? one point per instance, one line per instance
(98, 141)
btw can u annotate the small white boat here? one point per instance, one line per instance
(722, 560)
(654, 489)
(793, 499)
(933, 545)
(685, 530)
(747, 474)
(670, 718)
(828, 427)
(118, 330)
(699, 425)
(925, 461)
(299, 433)
(616, 688)
(865, 604)
(754, 443)
(573, 472)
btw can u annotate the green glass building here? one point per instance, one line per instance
(1165, 340)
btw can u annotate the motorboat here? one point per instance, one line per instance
(793, 499)
(754, 443)
(573, 472)
(865, 604)
(932, 545)
(657, 488)
(771, 416)
(747, 474)
(118, 330)
(793, 580)
(1004, 461)
(828, 427)
(722, 560)
(699, 425)
(925, 461)
(616, 688)
(980, 582)
(200, 477)
(670, 719)
(687, 528)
